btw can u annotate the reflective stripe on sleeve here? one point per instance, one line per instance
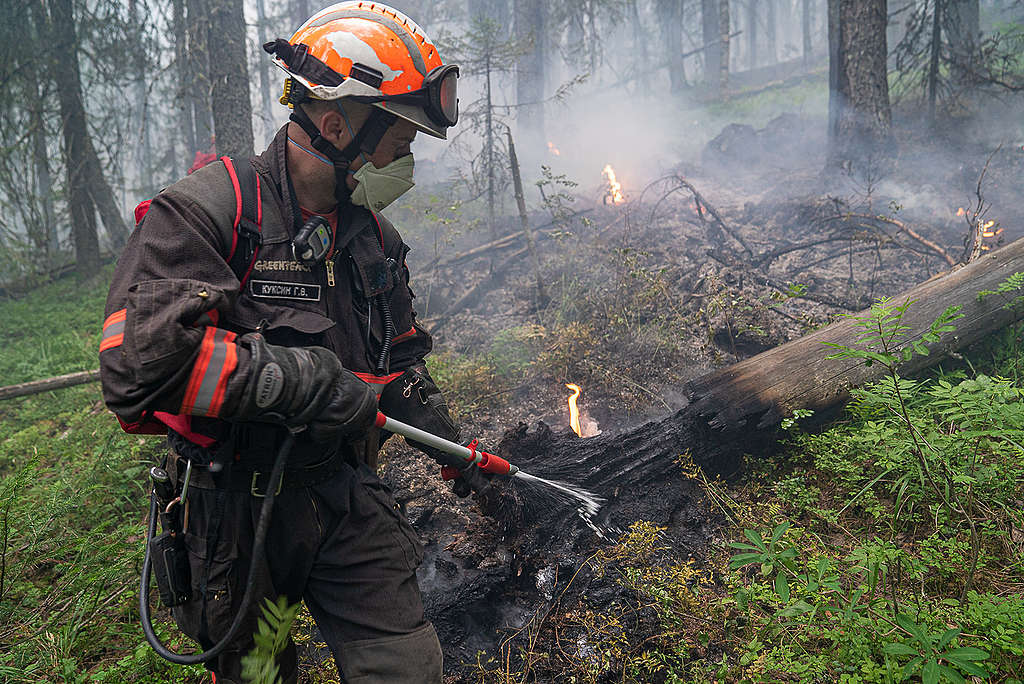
(218, 358)
(113, 330)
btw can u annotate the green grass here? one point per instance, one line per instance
(72, 506)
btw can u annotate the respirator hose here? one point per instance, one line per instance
(389, 334)
(258, 553)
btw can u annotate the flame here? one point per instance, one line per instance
(988, 229)
(961, 211)
(614, 193)
(553, 150)
(574, 410)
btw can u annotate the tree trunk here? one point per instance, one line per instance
(710, 15)
(489, 147)
(198, 79)
(46, 235)
(805, 22)
(640, 40)
(963, 29)
(771, 32)
(184, 99)
(36, 386)
(517, 185)
(104, 201)
(143, 151)
(723, 27)
(65, 74)
(933, 62)
(229, 79)
(266, 96)
(671, 21)
(859, 113)
(759, 391)
(736, 410)
(529, 29)
(752, 31)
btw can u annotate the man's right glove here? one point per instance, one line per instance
(305, 386)
(414, 399)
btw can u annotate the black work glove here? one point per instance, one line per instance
(305, 386)
(351, 412)
(413, 398)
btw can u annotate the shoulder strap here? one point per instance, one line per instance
(248, 218)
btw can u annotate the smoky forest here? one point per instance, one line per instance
(737, 286)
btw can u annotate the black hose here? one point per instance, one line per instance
(389, 334)
(258, 553)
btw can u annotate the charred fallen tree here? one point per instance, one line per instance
(488, 587)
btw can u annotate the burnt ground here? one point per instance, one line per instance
(693, 272)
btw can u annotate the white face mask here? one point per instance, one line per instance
(377, 188)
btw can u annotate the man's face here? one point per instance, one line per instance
(397, 142)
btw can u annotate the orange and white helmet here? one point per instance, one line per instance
(370, 53)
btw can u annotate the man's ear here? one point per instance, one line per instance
(333, 128)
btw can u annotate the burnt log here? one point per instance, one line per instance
(731, 412)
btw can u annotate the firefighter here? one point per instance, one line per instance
(235, 312)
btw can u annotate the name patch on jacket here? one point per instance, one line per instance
(273, 289)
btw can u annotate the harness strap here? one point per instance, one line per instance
(248, 218)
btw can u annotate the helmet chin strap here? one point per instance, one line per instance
(364, 141)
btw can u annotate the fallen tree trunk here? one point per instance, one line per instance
(760, 391)
(59, 382)
(732, 411)
(735, 410)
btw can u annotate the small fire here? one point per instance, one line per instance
(613, 195)
(582, 424)
(961, 211)
(986, 229)
(574, 409)
(553, 150)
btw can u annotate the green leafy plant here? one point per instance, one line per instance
(932, 655)
(259, 666)
(770, 553)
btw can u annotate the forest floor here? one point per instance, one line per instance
(854, 569)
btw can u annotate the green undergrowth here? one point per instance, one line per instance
(886, 548)
(72, 506)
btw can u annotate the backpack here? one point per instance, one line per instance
(247, 230)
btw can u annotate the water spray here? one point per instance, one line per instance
(589, 504)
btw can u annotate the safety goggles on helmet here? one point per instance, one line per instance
(438, 97)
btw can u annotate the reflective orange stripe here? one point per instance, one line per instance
(208, 318)
(371, 379)
(218, 358)
(405, 335)
(115, 317)
(113, 330)
(377, 381)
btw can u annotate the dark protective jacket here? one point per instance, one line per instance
(175, 309)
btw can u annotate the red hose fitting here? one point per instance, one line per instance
(494, 464)
(381, 419)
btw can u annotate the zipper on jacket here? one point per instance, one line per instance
(330, 272)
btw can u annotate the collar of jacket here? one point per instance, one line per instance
(352, 220)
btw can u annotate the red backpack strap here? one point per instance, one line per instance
(248, 218)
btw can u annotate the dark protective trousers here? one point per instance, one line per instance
(342, 546)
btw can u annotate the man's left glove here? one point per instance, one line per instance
(413, 398)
